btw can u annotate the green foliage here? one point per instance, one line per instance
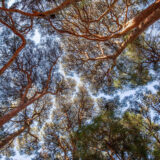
(124, 137)
(76, 123)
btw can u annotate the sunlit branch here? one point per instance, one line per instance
(63, 5)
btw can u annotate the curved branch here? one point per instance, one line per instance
(16, 53)
(63, 5)
(143, 25)
(10, 137)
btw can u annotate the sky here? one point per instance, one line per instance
(122, 93)
(10, 2)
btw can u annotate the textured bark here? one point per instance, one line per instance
(142, 17)
(136, 26)
(141, 27)
(129, 26)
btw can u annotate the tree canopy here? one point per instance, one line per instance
(61, 97)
